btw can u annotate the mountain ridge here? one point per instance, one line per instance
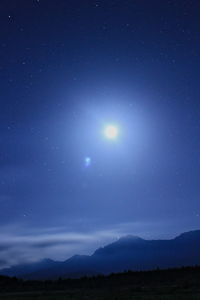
(127, 253)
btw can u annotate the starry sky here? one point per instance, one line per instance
(67, 70)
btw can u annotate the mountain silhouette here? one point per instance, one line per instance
(127, 253)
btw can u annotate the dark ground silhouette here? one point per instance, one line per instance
(182, 283)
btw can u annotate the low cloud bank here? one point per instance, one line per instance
(20, 244)
(23, 246)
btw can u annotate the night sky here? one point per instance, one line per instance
(69, 69)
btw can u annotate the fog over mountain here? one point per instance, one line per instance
(127, 253)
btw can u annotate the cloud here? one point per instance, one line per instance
(21, 245)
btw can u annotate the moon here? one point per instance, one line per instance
(111, 132)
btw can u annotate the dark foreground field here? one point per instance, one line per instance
(153, 285)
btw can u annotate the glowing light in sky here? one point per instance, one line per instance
(87, 161)
(111, 132)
